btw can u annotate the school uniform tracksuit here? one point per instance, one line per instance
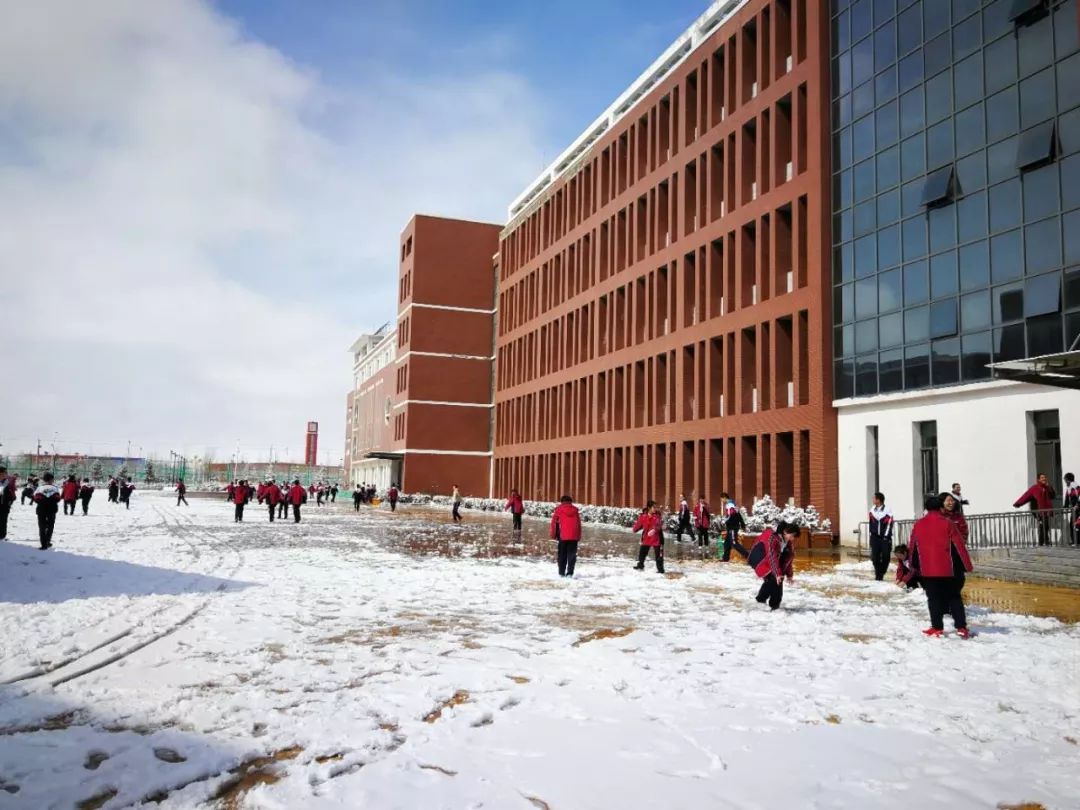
(881, 528)
(47, 498)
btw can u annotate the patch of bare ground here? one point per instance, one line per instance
(675, 575)
(859, 594)
(537, 802)
(438, 768)
(324, 758)
(97, 800)
(602, 633)
(169, 755)
(251, 773)
(57, 722)
(584, 618)
(1020, 806)
(94, 760)
(518, 679)
(459, 697)
(9, 787)
(859, 638)
(1071, 740)
(832, 720)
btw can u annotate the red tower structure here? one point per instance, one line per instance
(311, 444)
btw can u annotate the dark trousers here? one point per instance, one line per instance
(703, 535)
(69, 505)
(517, 521)
(729, 543)
(26, 496)
(943, 595)
(85, 505)
(273, 509)
(356, 502)
(333, 497)
(684, 526)
(880, 554)
(46, 520)
(126, 501)
(658, 553)
(5, 509)
(1042, 522)
(238, 514)
(455, 513)
(772, 591)
(180, 499)
(567, 557)
(283, 509)
(393, 505)
(296, 512)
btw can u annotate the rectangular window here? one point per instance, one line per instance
(939, 187)
(1036, 146)
(926, 473)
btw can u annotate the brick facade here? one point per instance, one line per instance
(664, 313)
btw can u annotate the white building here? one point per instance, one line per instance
(993, 438)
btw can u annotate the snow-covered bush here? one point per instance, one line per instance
(763, 513)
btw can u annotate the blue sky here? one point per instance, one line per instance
(576, 56)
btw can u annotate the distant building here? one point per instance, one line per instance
(420, 412)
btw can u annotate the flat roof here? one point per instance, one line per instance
(715, 15)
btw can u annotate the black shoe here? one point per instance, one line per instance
(639, 567)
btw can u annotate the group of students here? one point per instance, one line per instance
(276, 497)
(772, 556)
(48, 498)
(364, 493)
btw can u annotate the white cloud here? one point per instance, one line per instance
(193, 228)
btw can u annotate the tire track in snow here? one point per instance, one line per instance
(112, 658)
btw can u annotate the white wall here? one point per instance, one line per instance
(983, 442)
(377, 471)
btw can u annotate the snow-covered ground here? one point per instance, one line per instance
(377, 661)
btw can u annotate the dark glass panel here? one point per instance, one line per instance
(938, 98)
(1036, 45)
(888, 207)
(884, 46)
(888, 130)
(917, 324)
(865, 300)
(909, 30)
(1045, 335)
(942, 227)
(1005, 205)
(916, 282)
(1066, 33)
(865, 257)
(946, 362)
(1070, 182)
(1000, 64)
(1009, 343)
(865, 221)
(891, 329)
(864, 180)
(1042, 246)
(861, 19)
(943, 321)
(975, 356)
(866, 376)
(912, 113)
(975, 265)
(939, 144)
(890, 291)
(937, 54)
(862, 133)
(971, 172)
(1070, 226)
(910, 70)
(866, 336)
(975, 311)
(1040, 192)
(891, 371)
(888, 247)
(1042, 295)
(1036, 145)
(914, 234)
(844, 379)
(1002, 118)
(1001, 160)
(935, 18)
(1037, 99)
(971, 217)
(885, 85)
(862, 100)
(916, 367)
(844, 302)
(970, 130)
(1006, 259)
(1008, 303)
(967, 37)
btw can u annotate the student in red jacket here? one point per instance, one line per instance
(516, 507)
(392, 496)
(566, 528)
(271, 495)
(181, 492)
(649, 524)
(8, 494)
(773, 559)
(297, 497)
(230, 492)
(241, 495)
(906, 575)
(1040, 496)
(69, 492)
(940, 557)
(950, 507)
(702, 519)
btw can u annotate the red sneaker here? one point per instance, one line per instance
(963, 632)
(933, 632)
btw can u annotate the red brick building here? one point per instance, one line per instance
(424, 418)
(663, 290)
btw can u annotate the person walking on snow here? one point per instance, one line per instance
(1040, 496)
(516, 507)
(881, 528)
(28, 491)
(733, 523)
(69, 492)
(240, 499)
(1071, 502)
(357, 497)
(126, 488)
(648, 523)
(319, 494)
(702, 519)
(333, 493)
(939, 557)
(114, 490)
(272, 496)
(181, 492)
(455, 511)
(230, 492)
(773, 559)
(86, 491)
(47, 498)
(7, 498)
(392, 496)
(283, 499)
(566, 530)
(297, 497)
(684, 520)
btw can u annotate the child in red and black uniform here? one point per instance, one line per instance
(516, 507)
(566, 529)
(86, 492)
(297, 497)
(940, 557)
(241, 496)
(47, 498)
(69, 493)
(906, 575)
(773, 559)
(649, 524)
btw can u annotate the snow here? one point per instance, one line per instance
(171, 649)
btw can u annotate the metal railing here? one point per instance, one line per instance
(1022, 528)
